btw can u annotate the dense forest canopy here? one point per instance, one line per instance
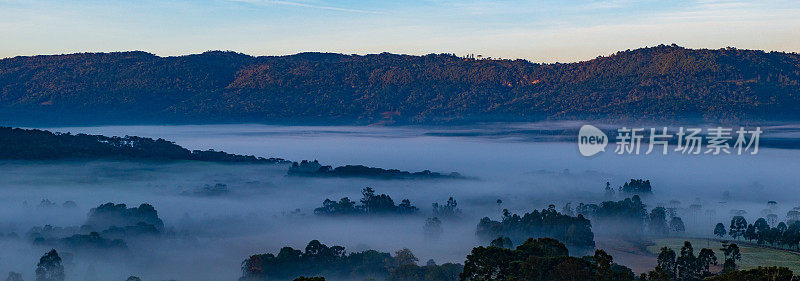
(663, 82)
(541, 259)
(24, 144)
(334, 261)
(371, 204)
(575, 232)
(315, 169)
(107, 227)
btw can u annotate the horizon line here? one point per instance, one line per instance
(481, 56)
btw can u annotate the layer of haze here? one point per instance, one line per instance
(213, 234)
(540, 31)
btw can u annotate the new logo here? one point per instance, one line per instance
(591, 140)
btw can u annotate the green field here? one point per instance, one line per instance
(752, 257)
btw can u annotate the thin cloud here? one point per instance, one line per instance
(610, 4)
(305, 5)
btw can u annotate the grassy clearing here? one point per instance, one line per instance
(752, 257)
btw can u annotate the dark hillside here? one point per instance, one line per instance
(658, 83)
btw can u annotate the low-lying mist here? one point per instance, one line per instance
(216, 215)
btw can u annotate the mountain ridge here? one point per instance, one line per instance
(666, 82)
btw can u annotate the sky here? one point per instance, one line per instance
(539, 31)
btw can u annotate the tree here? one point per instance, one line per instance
(706, 258)
(433, 227)
(630, 210)
(371, 204)
(405, 207)
(719, 230)
(502, 242)
(791, 236)
(666, 262)
(314, 248)
(609, 190)
(637, 186)
(757, 274)
(444, 272)
(316, 260)
(781, 226)
(676, 225)
(738, 227)
(604, 263)
(658, 221)
(404, 256)
(772, 235)
(406, 272)
(687, 263)
(686, 267)
(50, 268)
(430, 272)
(14, 276)
(657, 274)
(488, 263)
(761, 227)
(542, 259)
(450, 209)
(573, 231)
(750, 233)
(133, 278)
(303, 278)
(732, 254)
(566, 270)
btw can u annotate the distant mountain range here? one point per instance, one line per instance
(657, 83)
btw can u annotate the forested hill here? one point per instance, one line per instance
(657, 83)
(24, 144)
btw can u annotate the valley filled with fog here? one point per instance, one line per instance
(216, 215)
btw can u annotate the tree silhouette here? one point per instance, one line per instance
(50, 268)
(738, 227)
(719, 230)
(14, 276)
(676, 225)
(732, 254)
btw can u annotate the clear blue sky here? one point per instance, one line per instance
(541, 31)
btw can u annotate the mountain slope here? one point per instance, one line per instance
(660, 83)
(24, 144)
